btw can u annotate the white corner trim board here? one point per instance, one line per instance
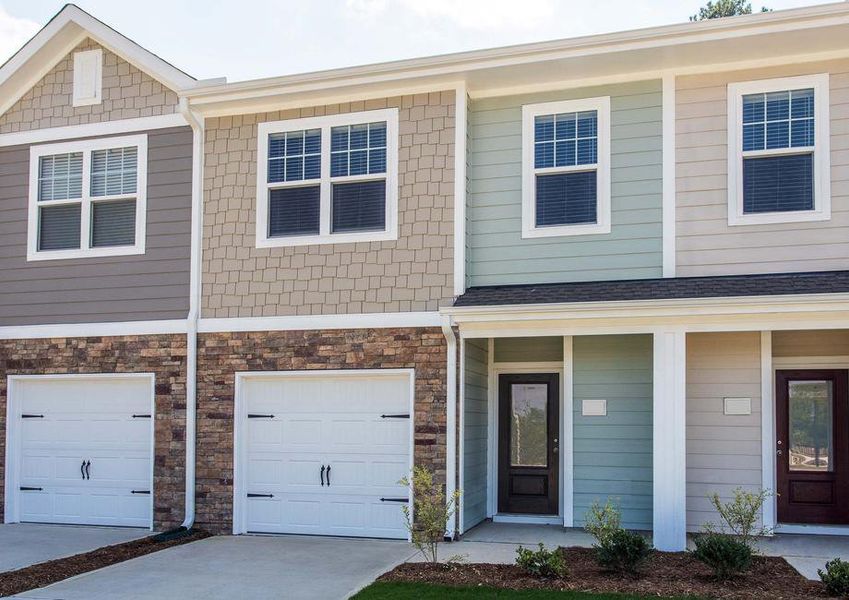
(460, 183)
(304, 322)
(106, 128)
(33, 332)
(669, 158)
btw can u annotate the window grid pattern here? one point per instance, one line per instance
(358, 149)
(294, 156)
(60, 177)
(114, 171)
(566, 140)
(778, 120)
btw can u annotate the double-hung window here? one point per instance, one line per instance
(778, 157)
(87, 198)
(566, 168)
(325, 180)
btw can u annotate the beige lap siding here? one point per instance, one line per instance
(706, 245)
(412, 273)
(222, 355)
(723, 451)
(128, 93)
(163, 355)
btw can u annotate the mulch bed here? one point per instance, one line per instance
(41, 574)
(664, 574)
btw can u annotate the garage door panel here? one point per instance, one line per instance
(331, 420)
(85, 420)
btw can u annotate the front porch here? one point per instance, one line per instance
(655, 418)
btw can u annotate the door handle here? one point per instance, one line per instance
(322, 475)
(328, 475)
(87, 467)
(82, 469)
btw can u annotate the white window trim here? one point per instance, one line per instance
(79, 65)
(325, 123)
(86, 147)
(529, 112)
(822, 150)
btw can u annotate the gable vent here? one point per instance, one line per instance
(88, 77)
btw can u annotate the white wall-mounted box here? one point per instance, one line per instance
(737, 406)
(594, 408)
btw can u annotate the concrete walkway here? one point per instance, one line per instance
(227, 567)
(24, 544)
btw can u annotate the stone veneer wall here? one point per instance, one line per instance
(128, 93)
(222, 355)
(412, 273)
(163, 355)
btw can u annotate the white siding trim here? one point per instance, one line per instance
(669, 158)
(822, 150)
(72, 330)
(460, 157)
(768, 430)
(669, 441)
(461, 435)
(325, 182)
(567, 429)
(451, 430)
(304, 322)
(602, 167)
(91, 130)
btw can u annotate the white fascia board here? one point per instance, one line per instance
(461, 64)
(61, 34)
(90, 130)
(71, 330)
(307, 322)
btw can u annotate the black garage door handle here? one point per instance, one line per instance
(25, 488)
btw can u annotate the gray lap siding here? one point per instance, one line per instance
(151, 286)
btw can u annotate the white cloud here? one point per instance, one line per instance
(14, 33)
(467, 14)
(485, 14)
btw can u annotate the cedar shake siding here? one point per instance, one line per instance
(706, 244)
(128, 93)
(412, 273)
(149, 286)
(222, 355)
(163, 355)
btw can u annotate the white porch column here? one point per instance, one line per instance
(669, 441)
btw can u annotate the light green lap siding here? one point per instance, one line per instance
(532, 349)
(613, 454)
(497, 254)
(474, 432)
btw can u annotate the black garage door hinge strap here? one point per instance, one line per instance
(140, 492)
(260, 495)
(400, 416)
(25, 488)
(255, 416)
(394, 499)
(32, 416)
(141, 416)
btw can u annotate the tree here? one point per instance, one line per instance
(725, 8)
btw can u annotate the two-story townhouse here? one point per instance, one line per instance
(607, 267)
(95, 262)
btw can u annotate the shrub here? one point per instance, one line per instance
(740, 515)
(431, 512)
(623, 551)
(542, 562)
(603, 521)
(836, 577)
(726, 555)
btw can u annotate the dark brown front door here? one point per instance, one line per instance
(528, 425)
(812, 446)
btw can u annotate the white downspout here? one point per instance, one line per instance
(194, 307)
(451, 421)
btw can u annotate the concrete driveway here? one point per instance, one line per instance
(230, 567)
(24, 544)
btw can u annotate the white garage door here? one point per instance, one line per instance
(83, 449)
(323, 453)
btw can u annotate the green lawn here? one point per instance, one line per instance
(420, 591)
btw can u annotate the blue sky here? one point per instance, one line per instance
(246, 39)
